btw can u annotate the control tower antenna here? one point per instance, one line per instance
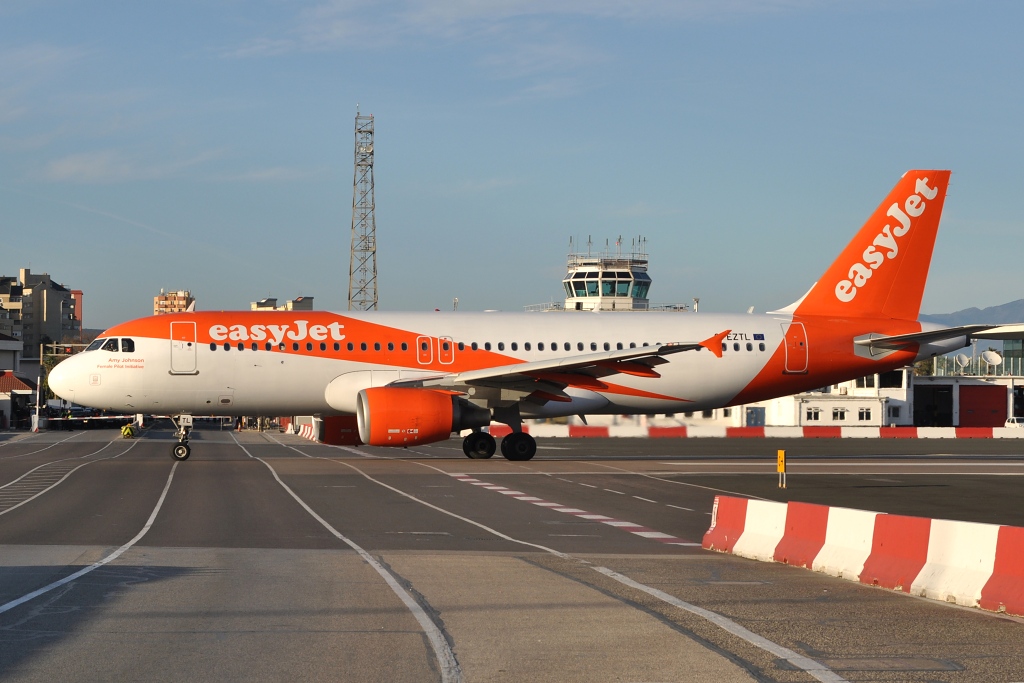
(362, 269)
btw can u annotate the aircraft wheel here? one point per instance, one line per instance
(181, 452)
(479, 445)
(518, 446)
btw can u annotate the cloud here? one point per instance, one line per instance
(482, 185)
(110, 166)
(347, 24)
(275, 174)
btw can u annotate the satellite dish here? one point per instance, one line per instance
(962, 360)
(991, 358)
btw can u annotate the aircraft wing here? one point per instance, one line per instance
(544, 380)
(899, 341)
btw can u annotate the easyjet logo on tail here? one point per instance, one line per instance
(885, 245)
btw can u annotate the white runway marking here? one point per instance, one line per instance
(450, 670)
(106, 560)
(815, 669)
(55, 443)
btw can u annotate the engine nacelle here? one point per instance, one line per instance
(393, 416)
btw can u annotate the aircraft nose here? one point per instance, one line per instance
(59, 380)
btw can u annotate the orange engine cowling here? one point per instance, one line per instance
(395, 416)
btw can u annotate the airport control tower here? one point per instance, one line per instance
(614, 279)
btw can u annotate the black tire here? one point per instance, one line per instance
(479, 446)
(181, 452)
(518, 446)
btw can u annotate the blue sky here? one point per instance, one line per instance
(208, 145)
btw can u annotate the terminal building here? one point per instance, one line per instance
(299, 303)
(173, 302)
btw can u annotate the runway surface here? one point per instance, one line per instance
(268, 557)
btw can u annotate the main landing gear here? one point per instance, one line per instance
(479, 445)
(183, 425)
(515, 446)
(518, 446)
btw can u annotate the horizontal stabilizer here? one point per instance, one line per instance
(901, 341)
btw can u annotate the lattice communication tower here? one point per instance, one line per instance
(362, 270)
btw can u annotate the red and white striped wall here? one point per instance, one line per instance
(970, 564)
(306, 431)
(637, 431)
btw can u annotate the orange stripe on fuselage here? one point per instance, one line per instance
(831, 357)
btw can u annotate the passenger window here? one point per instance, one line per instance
(424, 346)
(725, 347)
(213, 346)
(323, 346)
(501, 346)
(579, 345)
(268, 346)
(128, 345)
(515, 346)
(255, 346)
(376, 346)
(241, 346)
(487, 346)
(309, 346)
(337, 346)
(593, 346)
(445, 346)
(95, 345)
(362, 346)
(619, 346)
(736, 346)
(111, 345)
(632, 345)
(526, 346)
(295, 346)
(473, 346)
(750, 347)
(391, 346)
(760, 347)
(227, 346)
(405, 347)
(568, 346)
(540, 346)
(280, 347)
(349, 346)
(607, 346)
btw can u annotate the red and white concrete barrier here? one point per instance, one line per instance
(970, 564)
(681, 432)
(306, 431)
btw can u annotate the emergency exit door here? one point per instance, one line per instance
(796, 348)
(183, 348)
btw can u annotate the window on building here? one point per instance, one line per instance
(726, 412)
(864, 414)
(707, 413)
(839, 414)
(891, 380)
(687, 414)
(813, 414)
(894, 412)
(867, 382)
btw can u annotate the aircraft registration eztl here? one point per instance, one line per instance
(399, 379)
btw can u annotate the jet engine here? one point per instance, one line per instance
(394, 416)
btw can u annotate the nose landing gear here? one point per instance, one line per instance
(183, 425)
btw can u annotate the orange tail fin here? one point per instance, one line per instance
(882, 271)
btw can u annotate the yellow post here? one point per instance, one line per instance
(781, 469)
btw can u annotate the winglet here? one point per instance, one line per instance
(714, 344)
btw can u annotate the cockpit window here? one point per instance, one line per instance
(95, 345)
(127, 345)
(111, 345)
